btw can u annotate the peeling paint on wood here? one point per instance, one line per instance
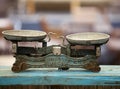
(109, 75)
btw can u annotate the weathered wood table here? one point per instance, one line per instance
(109, 75)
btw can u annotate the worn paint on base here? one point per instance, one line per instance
(109, 75)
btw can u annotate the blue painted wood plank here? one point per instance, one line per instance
(109, 75)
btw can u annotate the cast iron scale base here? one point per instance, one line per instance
(62, 57)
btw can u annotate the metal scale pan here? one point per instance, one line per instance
(88, 38)
(24, 35)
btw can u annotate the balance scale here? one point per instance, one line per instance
(81, 51)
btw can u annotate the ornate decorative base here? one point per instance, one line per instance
(92, 66)
(62, 62)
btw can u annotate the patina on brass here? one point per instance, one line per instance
(24, 35)
(62, 57)
(88, 38)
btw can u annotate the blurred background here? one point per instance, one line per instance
(62, 17)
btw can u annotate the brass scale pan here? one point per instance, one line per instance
(84, 38)
(24, 35)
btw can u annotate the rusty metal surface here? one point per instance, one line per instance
(62, 61)
(62, 57)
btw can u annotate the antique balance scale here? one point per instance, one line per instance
(62, 57)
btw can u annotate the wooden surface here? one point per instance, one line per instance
(109, 75)
(58, 87)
